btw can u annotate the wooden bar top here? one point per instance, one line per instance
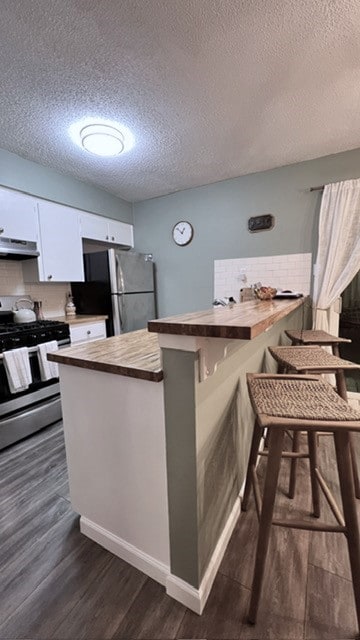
(135, 354)
(243, 321)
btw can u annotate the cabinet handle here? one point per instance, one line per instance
(107, 237)
(88, 332)
(2, 229)
(112, 238)
(49, 277)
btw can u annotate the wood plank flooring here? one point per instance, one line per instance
(55, 584)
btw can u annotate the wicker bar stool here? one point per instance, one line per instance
(315, 337)
(314, 359)
(300, 403)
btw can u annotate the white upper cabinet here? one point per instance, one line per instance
(94, 227)
(102, 229)
(61, 257)
(121, 233)
(61, 247)
(18, 216)
(58, 231)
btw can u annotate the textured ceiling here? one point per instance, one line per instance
(211, 89)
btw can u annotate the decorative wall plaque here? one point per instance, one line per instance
(261, 223)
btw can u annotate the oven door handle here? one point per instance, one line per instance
(31, 350)
(52, 402)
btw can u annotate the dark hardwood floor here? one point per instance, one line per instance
(55, 584)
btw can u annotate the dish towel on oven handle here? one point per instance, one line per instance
(17, 367)
(48, 369)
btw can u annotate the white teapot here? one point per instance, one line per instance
(23, 314)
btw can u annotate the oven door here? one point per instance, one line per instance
(28, 411)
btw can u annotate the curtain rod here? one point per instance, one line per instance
(317, 188)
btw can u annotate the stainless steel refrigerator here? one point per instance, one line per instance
(120, 285)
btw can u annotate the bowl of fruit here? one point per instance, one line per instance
(265, 293)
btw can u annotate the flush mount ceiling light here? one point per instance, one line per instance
(102, 140)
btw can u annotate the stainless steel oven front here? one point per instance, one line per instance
(24, 413)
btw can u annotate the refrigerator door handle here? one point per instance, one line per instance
(121, 312)
(119, 274)
(117, 317)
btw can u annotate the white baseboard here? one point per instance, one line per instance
(195, 599)
(183, 592)
(119, 547)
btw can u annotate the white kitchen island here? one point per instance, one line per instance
(157, 437)
(115, 447)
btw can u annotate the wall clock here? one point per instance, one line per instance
(182, 233)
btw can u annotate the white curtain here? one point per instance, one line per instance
(338, 258)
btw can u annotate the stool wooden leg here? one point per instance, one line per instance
(293, 464)
(276, 441)
(315, 490)
(342, 391)
(343, 456)
(335, 350)
(341, 384)
(254, 452)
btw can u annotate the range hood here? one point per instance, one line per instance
(12, 249)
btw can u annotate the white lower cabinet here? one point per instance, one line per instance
(87, 331)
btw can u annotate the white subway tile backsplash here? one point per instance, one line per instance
(53, 296)
(291, 271)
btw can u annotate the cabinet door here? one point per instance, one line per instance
(94, 227)
(121, 233)
(18, 216)
(61, 257)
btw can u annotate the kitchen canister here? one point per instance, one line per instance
(70, 309)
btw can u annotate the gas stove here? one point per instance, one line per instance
(29, 334)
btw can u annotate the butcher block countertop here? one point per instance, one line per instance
(135, 354)
(243, 321)
(80, 319)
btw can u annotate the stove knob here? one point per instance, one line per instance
(15, 342)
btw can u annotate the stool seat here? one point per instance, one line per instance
(314, 336)
(315, 359)
(310, 358)
(300, 397)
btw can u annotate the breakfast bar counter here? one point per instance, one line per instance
(243, 321)
(157, 429)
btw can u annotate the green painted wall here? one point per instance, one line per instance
(219, 214)
(23, 175)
